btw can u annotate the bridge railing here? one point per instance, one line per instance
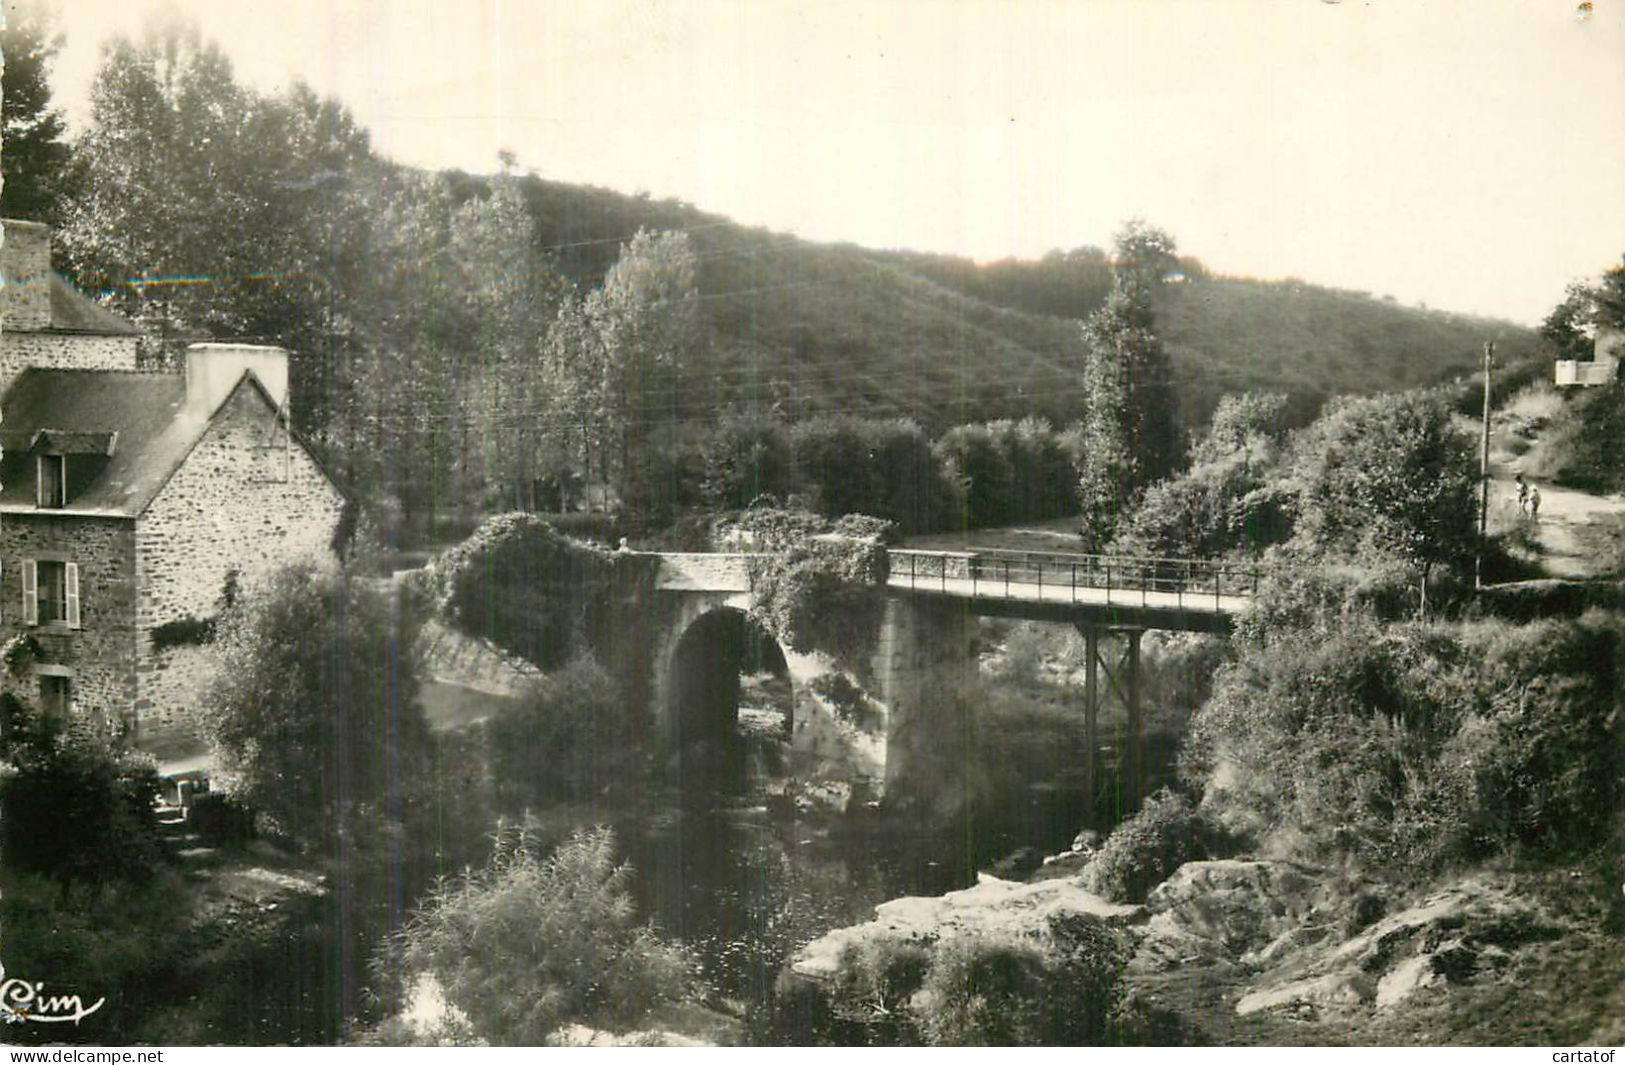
(1197, 583)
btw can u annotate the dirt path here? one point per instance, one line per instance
(1569, 528)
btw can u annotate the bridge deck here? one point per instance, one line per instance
(1197, 595)
(1137, 607)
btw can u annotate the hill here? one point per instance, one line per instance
(803, 327)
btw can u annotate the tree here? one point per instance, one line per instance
(33, 155)
(529, 944)
(218, 210)
(512, 292)
(315, 707)
(647, 323)
(1130, 434)
(1566, 328)
(1570, 326)
(1387, 477)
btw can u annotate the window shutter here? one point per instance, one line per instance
(30, 592)
(70, 579)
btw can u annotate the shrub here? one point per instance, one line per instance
(1062, 988)
(528, 944)
(1145, 850)
(573, 737)
(126, 943)
(1410, 747)
(315, 708)
(984, 991)
(874, 983)
(818, 590)
(77, 808)
(219, 820)
(517, 582)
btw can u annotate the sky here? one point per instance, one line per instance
(1467, 155)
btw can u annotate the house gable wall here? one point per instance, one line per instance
(243, 501)
(63, 351)
(101, 652)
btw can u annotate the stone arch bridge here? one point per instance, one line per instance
(703, 638)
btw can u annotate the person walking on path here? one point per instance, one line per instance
(1534, 503)
(1523, 493)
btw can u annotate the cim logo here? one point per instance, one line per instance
(24, 1000)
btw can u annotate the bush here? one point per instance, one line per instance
(529, 944)
(315, 708)
(126, 943)
(77, 808)
(1060, 985)
(984, 991)
(573, 737)
(1145, 850)
(874, 983)
(517, 582)
(819, 590)
(219, 820)
(1411, 747)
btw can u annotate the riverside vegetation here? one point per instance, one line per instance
(1373, 747)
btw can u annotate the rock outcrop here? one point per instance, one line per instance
(991, 906)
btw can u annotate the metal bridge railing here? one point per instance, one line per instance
(1198, 583)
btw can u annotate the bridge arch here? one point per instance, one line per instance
(728, 703)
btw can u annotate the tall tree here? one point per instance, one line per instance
(1130, 431)
(647, 321)
(217, 210)
(513, 293)
(33, 155)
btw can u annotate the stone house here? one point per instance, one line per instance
(1607, 350)
(133, 504)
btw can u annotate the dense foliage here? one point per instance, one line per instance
(1144, 850)
(315, 709)
(1586, 441)
(529, 943)
(573, 737)
(1060, 986)
(541, 595)
(33, 154)
(820, 586)
(76, 807)
(1411, 746)
(1231, 499)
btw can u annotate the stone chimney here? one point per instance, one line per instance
(26, 256)
(213, 370)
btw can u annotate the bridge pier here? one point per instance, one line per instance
(1123, 674)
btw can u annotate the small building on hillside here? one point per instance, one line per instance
(133, 504)
(1607, 351)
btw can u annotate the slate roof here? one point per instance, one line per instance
(156, 431)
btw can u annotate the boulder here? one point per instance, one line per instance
(991, 906)
(1227, 911)
(1338, 990)
(1446, 937)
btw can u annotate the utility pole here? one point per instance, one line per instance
(1484, 471)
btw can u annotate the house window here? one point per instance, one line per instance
(50, 593)
(55, 696)
(53, 480)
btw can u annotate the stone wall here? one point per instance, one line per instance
(63, 351)
(101, 652)
(242, 502)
